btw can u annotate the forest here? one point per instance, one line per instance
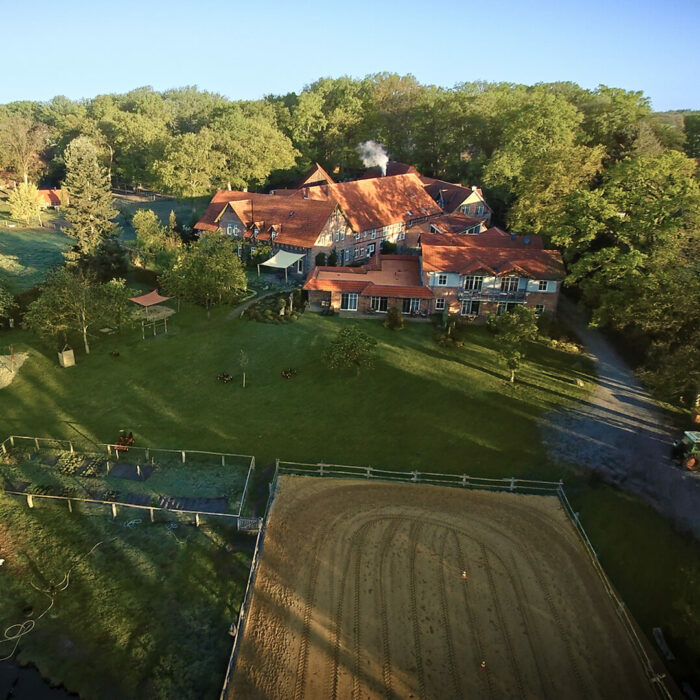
(605, 179)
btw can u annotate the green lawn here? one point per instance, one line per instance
(422, 407)
(145, 616)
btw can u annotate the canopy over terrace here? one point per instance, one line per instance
(148, 300)
(282, 260)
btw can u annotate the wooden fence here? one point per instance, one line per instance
(147, 455)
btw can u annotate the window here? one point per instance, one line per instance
(371, 248)
(300, 265)
(402, 235)
(439, 305)
(539, 308)
(229, 230)
(500, 308)
(337, 236)
(473, 283)
(474, 229)
(405, 306)
(379, 303)
(415, 305)
(374, 233)
(359, 252)
(509, 284)
(479, 210)
(470, 308)
(357, 236)
(348, 302)
(542, 286)
(442, 280)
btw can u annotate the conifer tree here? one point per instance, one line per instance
(91, 212)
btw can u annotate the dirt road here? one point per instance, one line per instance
(620, 433)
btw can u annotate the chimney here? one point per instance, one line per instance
(306, 193)
(229, 186)
(474, 188)
(245, 189)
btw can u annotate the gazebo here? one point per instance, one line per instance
(282, 260)
(147, 301)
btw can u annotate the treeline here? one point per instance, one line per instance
(595, 171)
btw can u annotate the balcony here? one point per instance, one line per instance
(490, 295)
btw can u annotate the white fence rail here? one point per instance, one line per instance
(147, 455)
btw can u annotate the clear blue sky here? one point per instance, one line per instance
(248, 49)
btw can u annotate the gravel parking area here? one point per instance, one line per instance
(620, 433)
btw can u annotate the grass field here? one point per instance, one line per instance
(423, 407)
(146, 615)
(185, 209)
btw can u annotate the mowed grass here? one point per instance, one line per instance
(186, 210)
(146, 615)
(422, 407)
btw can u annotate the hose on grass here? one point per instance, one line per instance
(14, 633)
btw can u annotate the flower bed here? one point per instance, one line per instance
(276, 308)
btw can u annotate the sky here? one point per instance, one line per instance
(245, 50)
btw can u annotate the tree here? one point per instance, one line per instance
(191, 165)
(7, 301)
(207, 273)
(541, 159)
(513, 330)
(24, 203)
(394, 319)
(352, 347)
(21, 142)
(70, 301)
(243, 362)
(116, 304)
(91, 212)
(155, 242)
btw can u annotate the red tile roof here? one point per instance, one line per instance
(466, 255)
(458, 223)
(493, 237)
(393, 167)
(297, 221)
(50, 197)
(379, 202)
(384, 275)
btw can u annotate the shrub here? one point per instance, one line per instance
(394, 319)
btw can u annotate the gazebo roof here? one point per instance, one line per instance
(282, 259)
(149, 299)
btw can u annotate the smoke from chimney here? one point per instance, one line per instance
(373, 154)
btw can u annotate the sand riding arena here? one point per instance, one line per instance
(376, 590)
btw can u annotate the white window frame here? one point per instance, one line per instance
(509, 284)
(229, 229)
(440, 304)
(442, 279)
(539, 308)
(378, 302)
(371, 247)
(300, 265)
(542, 285)
(350, 301)
(473, 283)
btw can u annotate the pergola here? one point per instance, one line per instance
(282, 260)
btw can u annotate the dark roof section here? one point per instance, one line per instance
(393, 167)
(316, 176)
(452, 195)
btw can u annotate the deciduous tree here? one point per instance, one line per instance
(352, 347)
(24, 203)
(513, 331)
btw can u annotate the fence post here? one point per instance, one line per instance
(12, 440)
(138, 471)
(148, 452)
(109, 450)
(464, 480)
(512, 483)
(368, 472)
(70, 444)
(223, 461)
(153, 515)
(196, 519)
(4, 449)
(70, 506)
(36, 444)
(183, 456)
(414, 478)
(114, 510)
(30, 500)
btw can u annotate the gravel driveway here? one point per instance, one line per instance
(620, 433)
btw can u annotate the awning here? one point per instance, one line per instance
(282, 259)
(149, 299)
